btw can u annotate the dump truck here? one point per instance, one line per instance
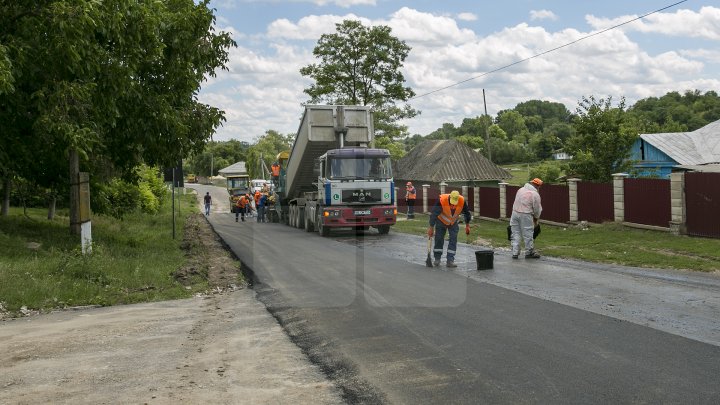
(333, 178)
(238, 182)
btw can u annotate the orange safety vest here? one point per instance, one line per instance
(242, 202)
(447, 216)
(257, 197)
(275, 170)
(412, 193)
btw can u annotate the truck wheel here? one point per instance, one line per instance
(323, 230)
(308, 224)
(383, 229)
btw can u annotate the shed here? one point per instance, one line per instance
(435, 161)
(235, 168)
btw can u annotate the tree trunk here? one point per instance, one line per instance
(74, 193)
(51, 208)
(6, 198)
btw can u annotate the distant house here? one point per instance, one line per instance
(561, 155)
(657, 154)
(432, 162)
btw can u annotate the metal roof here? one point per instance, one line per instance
(698, 147)
(447, 160)
(235, 168)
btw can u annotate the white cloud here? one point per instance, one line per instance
(264, 89)
(542, 15)
(467, 17)
(682, 23)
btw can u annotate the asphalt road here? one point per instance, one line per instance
(388, 329)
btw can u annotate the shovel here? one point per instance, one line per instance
(428, 261)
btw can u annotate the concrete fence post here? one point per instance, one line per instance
(573, 193)
(677, 204)
(442, 187)
(503, 199)
(425, 188)
(476, 201)
(619, 196)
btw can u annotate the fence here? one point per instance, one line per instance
(647, 201)
(687, 203)
(595, 202)
(702, 204)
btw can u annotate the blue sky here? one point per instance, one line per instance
(677, 49)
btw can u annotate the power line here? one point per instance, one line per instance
(549, 50)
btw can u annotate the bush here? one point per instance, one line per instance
(152, 177)
(548, 172)
(116, 198)
(149, 203)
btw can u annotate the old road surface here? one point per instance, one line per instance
(387, 329)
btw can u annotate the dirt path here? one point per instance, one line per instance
(219, 348)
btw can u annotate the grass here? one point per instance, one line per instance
(521, 171)
(607, 243)
(132, 260)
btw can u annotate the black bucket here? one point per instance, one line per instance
(484, 259)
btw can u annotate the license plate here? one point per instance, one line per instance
(362, 212)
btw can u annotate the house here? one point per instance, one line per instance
(657, 154)
(432, 162)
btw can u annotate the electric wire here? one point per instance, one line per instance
(548, 51)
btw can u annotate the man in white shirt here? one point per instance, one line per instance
(526, 213)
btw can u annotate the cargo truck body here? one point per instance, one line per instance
(332, 179)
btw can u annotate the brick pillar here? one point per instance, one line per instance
(619, 196)
(425, 197)
(442, 187)
(572, 189)
(503, 199)
(476, 201)
(677, 204)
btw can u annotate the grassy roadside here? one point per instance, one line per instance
(606, 243)
(134, 260)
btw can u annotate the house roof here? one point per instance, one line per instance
(235, 168)
(447, 160)
(698, 147)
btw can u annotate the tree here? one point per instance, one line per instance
(361, 66)
(117, 87)
(514, 126)
(266, 148)
(602, 140)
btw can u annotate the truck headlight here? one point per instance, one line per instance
(391, 211)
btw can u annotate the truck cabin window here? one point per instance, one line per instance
(238, 183)
(351, 168)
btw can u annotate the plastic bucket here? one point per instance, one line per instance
(484, 259)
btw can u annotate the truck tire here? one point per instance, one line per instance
(383, 229)
(308, 225)
(323, 230)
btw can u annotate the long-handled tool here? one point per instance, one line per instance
(428, 261)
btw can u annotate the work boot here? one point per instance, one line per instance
(451, 263)
(532, 255)
(436, 262)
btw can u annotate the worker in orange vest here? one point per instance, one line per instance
(275, 168)
(444, 217)
(241, 206)
(410, 196)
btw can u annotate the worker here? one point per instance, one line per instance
(444, 217)
(525, 215)
(275, 168)
(261, 207)
(241, 206)
(410, 196)
(208, 202)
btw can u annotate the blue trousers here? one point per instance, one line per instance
(440, 229)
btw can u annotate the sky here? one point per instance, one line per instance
(475, 43)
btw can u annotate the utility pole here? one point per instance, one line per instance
(487, 135)
(211, 167)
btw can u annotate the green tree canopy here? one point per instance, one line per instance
(602, 141)
(360, 65)
(266, 149)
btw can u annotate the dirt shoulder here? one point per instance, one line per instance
(220, 347)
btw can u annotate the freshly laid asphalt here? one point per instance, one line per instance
(388, 329)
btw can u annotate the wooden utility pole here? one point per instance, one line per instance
(487, 135)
